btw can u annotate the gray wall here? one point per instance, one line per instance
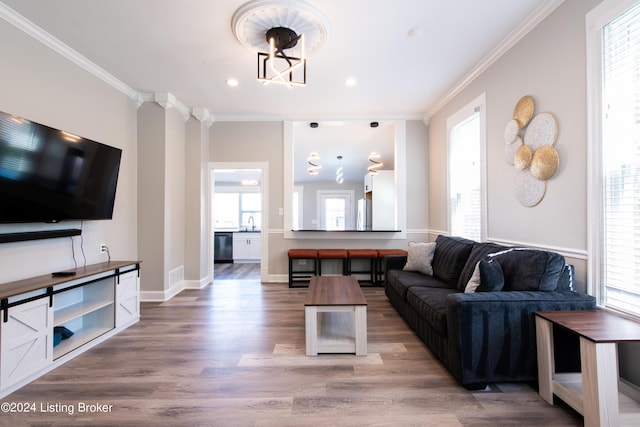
(263, 142)
(42, 86)
(549, 64)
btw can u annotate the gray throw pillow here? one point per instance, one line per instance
(419, 257)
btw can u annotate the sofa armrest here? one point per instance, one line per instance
(393, 262)
(491, 335)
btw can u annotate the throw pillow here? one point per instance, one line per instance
(491, 277)
(419, 257)
(474, 281)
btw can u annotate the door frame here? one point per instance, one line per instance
(264, 190)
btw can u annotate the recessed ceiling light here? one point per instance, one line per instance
(350, 82)
(415, 32)
(232, 82)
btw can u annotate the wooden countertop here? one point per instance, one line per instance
(18, 287)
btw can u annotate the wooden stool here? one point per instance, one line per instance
(340, 254)
(370, 254)
(381, 254)
(302, 275)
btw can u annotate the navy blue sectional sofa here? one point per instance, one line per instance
(486, 337)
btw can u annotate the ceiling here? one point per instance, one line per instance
(404, 54)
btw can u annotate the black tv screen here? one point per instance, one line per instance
(49, 175)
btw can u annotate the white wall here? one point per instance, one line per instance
(42, 86)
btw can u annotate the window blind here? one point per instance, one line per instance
(465, 178)
(621, 162)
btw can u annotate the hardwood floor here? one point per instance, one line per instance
(233, 354)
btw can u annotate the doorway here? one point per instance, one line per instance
(238, 203)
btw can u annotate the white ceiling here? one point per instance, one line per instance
(187, 48)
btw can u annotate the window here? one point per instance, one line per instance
(234, 210)
(614, 187)
(466, 136)
(336, 209)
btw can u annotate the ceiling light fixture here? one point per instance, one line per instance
(287, 24)
(278, 66)
(232, 82)
(373, 168)
(314, 167)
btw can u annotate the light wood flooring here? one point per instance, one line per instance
(233, 354)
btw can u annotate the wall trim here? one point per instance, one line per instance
(196, 284)
(28, 27)
(573, 253)
(537, 16)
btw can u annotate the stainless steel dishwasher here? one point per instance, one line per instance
(223, 247)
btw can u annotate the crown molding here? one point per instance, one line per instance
(167, 100)
(536, 17)
(202, 114)
(28, 27)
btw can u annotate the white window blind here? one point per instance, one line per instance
(465, 177)
(621, 162)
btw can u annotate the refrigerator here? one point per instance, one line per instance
(363, 220)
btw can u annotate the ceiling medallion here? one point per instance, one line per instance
(272, 28)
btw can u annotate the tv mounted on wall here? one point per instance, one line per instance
(49, 175)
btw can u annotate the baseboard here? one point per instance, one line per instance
(162, 296)
(196, 284)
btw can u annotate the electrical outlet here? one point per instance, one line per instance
(103, 248)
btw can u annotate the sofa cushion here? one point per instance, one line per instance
(400, 281)
(478, 252)
(431, 304)
(450, 257)
(529, 269)
(420, 257)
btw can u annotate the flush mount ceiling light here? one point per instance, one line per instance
(276, 27)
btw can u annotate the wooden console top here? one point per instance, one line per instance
(334, 290)
(18, 287)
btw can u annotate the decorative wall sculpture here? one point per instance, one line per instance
(529, 147)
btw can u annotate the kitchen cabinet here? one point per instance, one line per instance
(246, 247)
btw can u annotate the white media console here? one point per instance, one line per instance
(94, 302)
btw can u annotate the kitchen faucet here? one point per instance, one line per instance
(253, 223)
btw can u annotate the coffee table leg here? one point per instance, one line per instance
(599, 383)
(311, 329)
(546, 369)
(361, 330)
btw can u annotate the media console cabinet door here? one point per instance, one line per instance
(127, 298)
(26, 341)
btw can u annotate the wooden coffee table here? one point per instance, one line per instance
(335, 316)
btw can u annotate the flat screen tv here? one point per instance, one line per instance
(49, 175)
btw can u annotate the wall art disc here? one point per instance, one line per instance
(511, 149)
(511, 131)
(543, 130)
(523, 111)
(545, 162)
(523, 157)
(529, 190)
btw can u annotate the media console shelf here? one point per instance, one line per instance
(94, 303)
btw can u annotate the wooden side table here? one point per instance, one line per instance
(594, 391)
